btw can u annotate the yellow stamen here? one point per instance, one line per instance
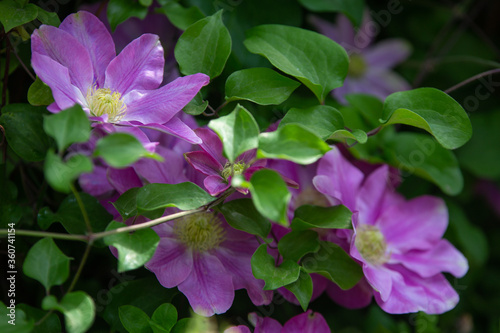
(201, 232)
(371, 244)
(103, 101)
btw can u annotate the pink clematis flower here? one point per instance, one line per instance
(307, 322)
(369, 65)
(78, 62)
(398, 242)
(219, 171)
(207, 260)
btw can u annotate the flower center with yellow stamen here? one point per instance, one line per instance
(201, 232)
(371, 244)
(357, 65)
(233, 169)
(103, 101)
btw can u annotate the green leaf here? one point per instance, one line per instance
(182, 326)
(241, 214)
(320, 119)
(420, 154)
(39, 93)
(46, 264)
(134, 319)
(135, 249)
(238, 131)
(263, 268)
(292, 142)
(164, 318)
(334, 217)
(70, 216)
(259, 85)
(23, 126)
(184, 196)
(145, 293)
(294, 245)
(126, 204)
(314, 59)
(431, 110)
(78, 309)
(68, 126)
(120, 150)
(121, 10)
(60, 175)
(368, 106)
(333, 263)
(14, 320)
(270, 195)
(179, 16)
(353, 9)
(302, 289)
(196, 106)
(146, 3)
(12, 14)
(356, 135)
(204, 47)
(49, 18)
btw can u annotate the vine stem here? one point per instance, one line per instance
(80, 267)
(473, 78)
(82, 208)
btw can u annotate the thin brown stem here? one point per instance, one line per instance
(471, 79)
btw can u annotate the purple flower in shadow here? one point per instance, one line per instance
(78, 62)
(207, 260)
(369, 64)
(219, 171)
(398, 242)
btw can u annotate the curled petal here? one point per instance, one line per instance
(215, 185)
(204, 163)
(307, 322)
(211, 143)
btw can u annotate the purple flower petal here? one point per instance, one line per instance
(123, 180)
(172, 263)
(65, 49)
(57, 77)
(387, 53)
(209, 287)
(96, 183)
(138, 67)
(215, 185)
(381, 279)
(178, 128)
(238, 329)
(443, 257)
(160, 105)
(236, 260)
(416, 224)
(90, 32)
(211, 143)
(307, 322)
(339, 179)
(264, 324)
(204, 163)
(357, 297)
(372, 194)
(171, 171)
(342, 32)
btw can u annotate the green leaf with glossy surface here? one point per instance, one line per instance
(421, 155)
(333, 263)
(121, 10)
(259, 85)
(39, 93)
(270, 195)
(353, 9)
(344, 135)
(295, 244)
(184, 196)
(49, 18)
(292, 142)
(120, 150)
(302, 289)
(12, 14)
(164, 318)
(179, 16)
(263, 267)
(23, 125)
(204, 47)
(134, 249)
(60, 175)
(241, 214)
(321, 119)
(196, 106)
(134, 319)
(78, 309)
(238, 131)
(431, 110)
(14, 319)
(334, 217)
(68, 126)
(314, 59)
(46, 263)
